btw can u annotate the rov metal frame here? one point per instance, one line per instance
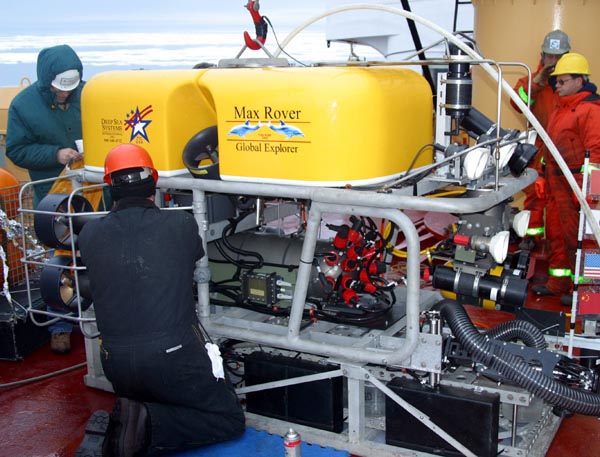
(400, 345)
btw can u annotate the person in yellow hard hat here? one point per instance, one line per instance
(542, 101)
(574, 128)
(141, 263)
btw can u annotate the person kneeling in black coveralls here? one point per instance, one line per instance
(140, 263)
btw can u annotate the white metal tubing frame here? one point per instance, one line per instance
(293, 340)
(344, 201)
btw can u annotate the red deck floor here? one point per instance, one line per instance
(47, 417)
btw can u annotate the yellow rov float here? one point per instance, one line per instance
(323, 126)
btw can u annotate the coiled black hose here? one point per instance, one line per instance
(514, 368)
(525, 331)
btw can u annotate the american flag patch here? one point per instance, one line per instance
(591, 265)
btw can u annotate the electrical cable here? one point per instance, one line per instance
(279, 45)
(227, 231)
(460, 191)
(42, 377)
(402, 254)
(239, 303)
(415, 157)
(335, 318)
(260, 261)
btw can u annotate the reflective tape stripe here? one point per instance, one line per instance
(524, 96)
(559, 272)
(533, 231)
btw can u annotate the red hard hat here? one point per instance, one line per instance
(126, 156)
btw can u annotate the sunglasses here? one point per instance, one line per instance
(560, 82)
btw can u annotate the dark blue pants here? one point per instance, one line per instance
(172, 375)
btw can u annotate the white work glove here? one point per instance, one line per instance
(216, 360)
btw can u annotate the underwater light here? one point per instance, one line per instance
(475, 162)
(520, 222)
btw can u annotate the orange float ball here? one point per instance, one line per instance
(9, 193)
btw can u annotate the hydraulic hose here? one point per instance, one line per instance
(525, 331)
(513, 368)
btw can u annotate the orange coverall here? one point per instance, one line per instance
(574, 127)
(543, 101)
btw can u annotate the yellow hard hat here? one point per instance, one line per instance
(572, 63)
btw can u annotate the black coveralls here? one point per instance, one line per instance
(140, 262)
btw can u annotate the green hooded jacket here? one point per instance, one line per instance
(37, 127)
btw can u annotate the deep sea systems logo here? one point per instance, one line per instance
(136, 120)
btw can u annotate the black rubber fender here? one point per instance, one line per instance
(204, 145)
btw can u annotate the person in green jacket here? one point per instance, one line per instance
(44, 120)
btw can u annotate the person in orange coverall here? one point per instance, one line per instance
(542, 101)
(574, 128)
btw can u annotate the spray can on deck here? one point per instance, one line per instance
(292, 442)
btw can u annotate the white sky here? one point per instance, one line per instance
(179, 33)
(61, 14)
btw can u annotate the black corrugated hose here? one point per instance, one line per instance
(514, 368)
(525, 331)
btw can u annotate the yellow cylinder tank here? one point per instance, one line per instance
(328, 126)
(159, 110)
(320, 126)
(513, 31)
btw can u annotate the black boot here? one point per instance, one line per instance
(95, 433)
(130, 436)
